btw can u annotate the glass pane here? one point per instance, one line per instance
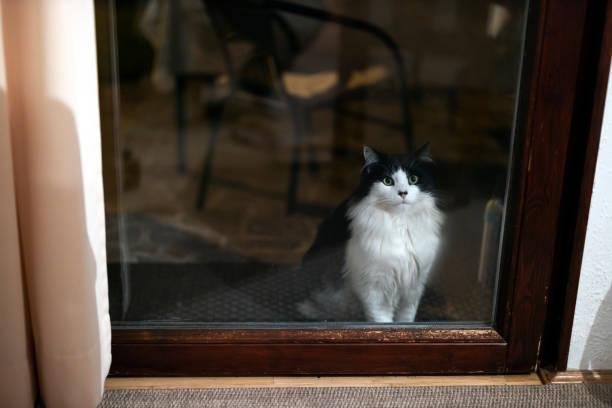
(307, 162)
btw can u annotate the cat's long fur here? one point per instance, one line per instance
(376, 250)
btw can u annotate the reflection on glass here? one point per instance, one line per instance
(306, 161)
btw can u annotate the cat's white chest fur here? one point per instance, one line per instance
(389, 257)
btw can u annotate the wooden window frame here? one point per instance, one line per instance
(561, 54)
(589, 106)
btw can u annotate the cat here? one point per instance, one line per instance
(375, 251)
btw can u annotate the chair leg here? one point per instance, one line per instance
(125, 290)
(179, 94)
(452, 105)
(404, 97)
(215, 114)
(298, 122)
(313, 164)
(406, 115)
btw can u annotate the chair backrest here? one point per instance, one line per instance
(254, 22)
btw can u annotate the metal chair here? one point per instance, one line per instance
(261, 23)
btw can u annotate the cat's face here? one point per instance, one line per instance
(397, 182)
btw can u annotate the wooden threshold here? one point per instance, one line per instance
(280, 382)
(576, 376)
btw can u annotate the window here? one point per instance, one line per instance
(315, 171)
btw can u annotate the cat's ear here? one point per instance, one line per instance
(423, 153)
(370, 156)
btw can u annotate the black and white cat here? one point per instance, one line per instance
(376, 250)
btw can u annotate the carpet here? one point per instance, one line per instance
(167, 293)
(553, 395)
(176, 276)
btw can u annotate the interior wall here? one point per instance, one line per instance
(591, 342)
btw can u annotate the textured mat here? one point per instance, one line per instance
(239, 292)
(173, 276)
(558, 396)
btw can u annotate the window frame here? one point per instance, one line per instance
(552, 73)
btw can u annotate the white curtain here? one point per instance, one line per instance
(55, 334)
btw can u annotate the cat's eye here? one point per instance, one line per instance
(413, 179)
(387, 181)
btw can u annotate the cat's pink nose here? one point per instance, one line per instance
(402, 194)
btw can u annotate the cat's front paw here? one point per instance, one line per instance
(380, 317)
(406, 316)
